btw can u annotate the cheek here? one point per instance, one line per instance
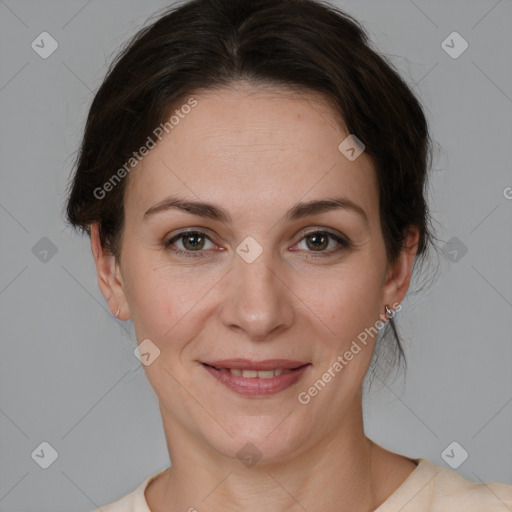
(152, 301)
(164, 302)
(348, 297)
(350, 306)
(156, 305)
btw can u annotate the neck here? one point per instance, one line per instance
(336, 474)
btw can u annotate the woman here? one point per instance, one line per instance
(252, 178)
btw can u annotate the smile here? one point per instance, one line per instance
(256, 378)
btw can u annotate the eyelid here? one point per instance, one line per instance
(337, 235)
(320, 229)
(186, 231)
(342, 240)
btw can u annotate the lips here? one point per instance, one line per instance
(256, 378)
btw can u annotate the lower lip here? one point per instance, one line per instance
(256, 386)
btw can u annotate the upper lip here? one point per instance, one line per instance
(247, 364)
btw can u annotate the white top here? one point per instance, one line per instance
(429, 488)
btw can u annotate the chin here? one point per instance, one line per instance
(260, 440)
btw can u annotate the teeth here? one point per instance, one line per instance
(261, 374)
(268, 374)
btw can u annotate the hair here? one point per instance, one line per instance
(308, 46)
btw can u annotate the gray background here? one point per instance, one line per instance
(67, 369)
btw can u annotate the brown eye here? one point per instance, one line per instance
(317, 241)
(187, 243)
(324, 243)
(193, 241)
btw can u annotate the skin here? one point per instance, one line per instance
(256, 152)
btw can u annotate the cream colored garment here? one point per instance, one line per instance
(429, 488)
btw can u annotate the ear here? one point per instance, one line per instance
(109, 276)
(398, 276)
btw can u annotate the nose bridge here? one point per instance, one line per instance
(258, 301)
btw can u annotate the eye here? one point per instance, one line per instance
(191, 242)
(320, 241)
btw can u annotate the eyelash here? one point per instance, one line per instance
(344, 244)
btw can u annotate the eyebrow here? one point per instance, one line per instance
(298, 211)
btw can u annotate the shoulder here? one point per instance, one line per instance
(134, 501)
(432, 488)
(452, 491)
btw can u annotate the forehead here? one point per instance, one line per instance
(252, 147)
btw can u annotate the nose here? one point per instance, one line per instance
(258, 300)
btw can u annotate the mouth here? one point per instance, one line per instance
(256, 378)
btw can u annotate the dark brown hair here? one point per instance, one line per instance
(305, 45)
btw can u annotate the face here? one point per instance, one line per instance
(257, 275)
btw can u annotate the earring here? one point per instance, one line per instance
(390, 313)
